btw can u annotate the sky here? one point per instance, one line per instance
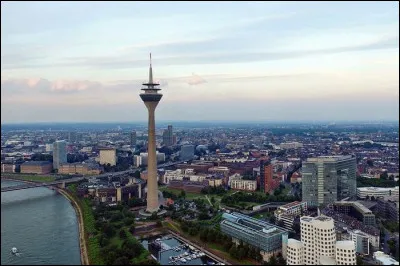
(255, 61)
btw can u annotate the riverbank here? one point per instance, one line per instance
(82, 239)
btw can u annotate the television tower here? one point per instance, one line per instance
(151, 97)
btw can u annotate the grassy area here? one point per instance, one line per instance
(35, 178)
(263, 215)
(189, 195)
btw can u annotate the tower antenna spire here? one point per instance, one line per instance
(150, 73)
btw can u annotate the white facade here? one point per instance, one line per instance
(345, 253)
(144, 157)
(49, 147)
(318, 244)
(108, 156)
(179, 174)
(249, 185)
(137, 160)
(377, 192)
(291, 145)
(294, 252)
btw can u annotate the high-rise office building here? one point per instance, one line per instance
(318, 245)
(59, 153)
(168, 136)
(187, 152)
(133, 138)
(327, 179)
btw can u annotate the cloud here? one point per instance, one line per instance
(195, 80)
(44, 85)
(121, 62)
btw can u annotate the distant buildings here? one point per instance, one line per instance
(79, 168)
(187, 152)
(133, 138)
(168, 137)
(143, 161)
(254, 232)
(108, 156)
(36, 167)
(318, 245)
(328, 178)
(59, 153)
(377, 192)
(291, 145)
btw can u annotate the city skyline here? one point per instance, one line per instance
(253, 61)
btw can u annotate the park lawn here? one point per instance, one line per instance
(36, 178)
(189, 195)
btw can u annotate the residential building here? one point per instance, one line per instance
(108, 156)
(327, 179)
(291, 145)
(318, 245)
(257, 233)
(268, 182)
(79, 168)
(288, 212)
(361, 241)
(59, 153)
(247, 185)
(36, 167)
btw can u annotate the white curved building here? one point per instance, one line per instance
(345, 253)
(294, 252)
(318, 244)
(377, 192)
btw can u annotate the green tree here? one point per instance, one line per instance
(183, 194)
(359, 261)
(122, 234)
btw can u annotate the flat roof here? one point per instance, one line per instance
(387, 260)
(291, 204)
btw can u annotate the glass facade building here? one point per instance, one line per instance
(254, 232)
(327, 179)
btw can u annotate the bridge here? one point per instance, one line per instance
(62, 182)
(48, 184)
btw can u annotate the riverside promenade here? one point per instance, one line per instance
(82, 239)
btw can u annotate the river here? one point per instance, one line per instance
(42, 224)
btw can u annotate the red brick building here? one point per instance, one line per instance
(36, 167)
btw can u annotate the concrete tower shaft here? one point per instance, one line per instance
(151, 98)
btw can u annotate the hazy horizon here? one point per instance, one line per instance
(75, 62)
